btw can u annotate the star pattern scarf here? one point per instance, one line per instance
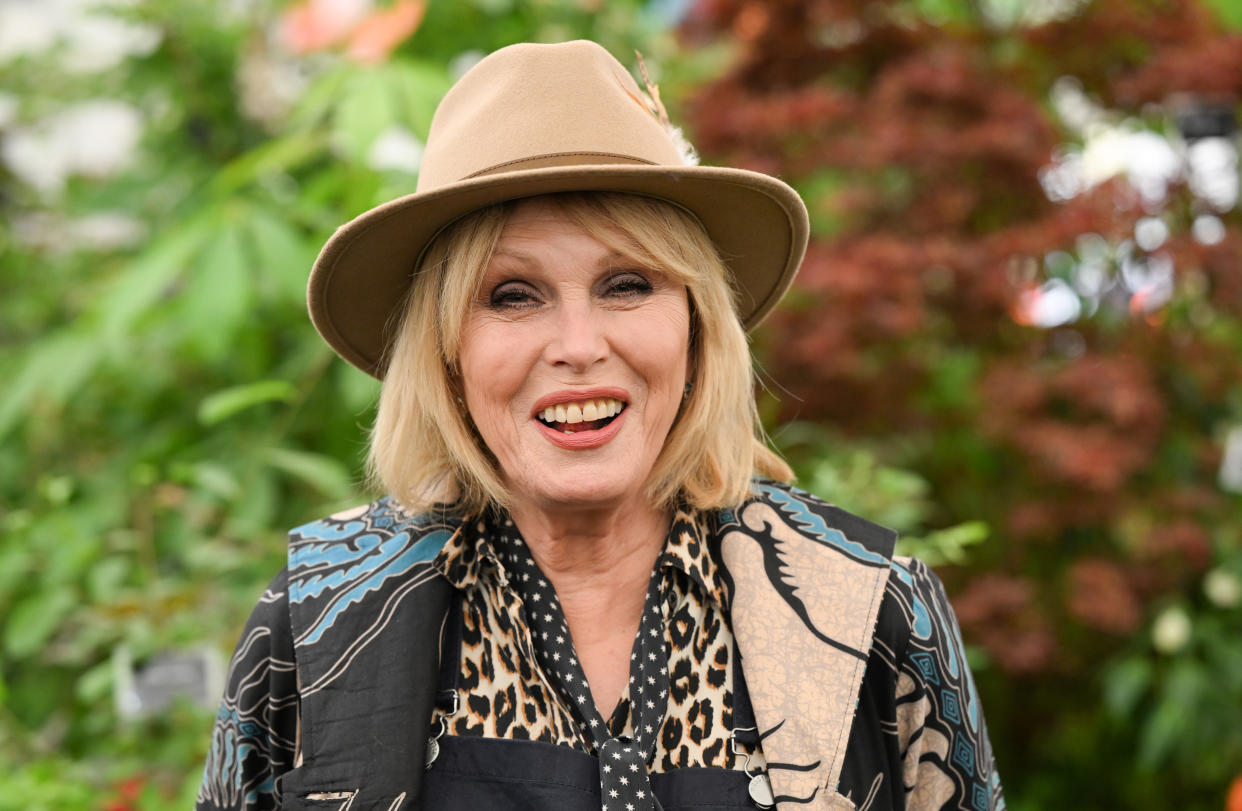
(624, 781)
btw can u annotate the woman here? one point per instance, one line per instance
(589, 587)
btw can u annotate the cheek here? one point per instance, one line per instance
(668, 350)
(494, 362)
(482, 366)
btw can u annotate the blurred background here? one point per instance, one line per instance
(1016, 339)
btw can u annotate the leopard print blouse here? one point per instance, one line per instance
(503, 693)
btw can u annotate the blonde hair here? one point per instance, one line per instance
(425, 451)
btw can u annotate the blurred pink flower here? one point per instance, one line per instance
(315, 25)
(374, 39)
(368, 34)
(1234, 801)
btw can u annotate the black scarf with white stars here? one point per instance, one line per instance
(624, 781)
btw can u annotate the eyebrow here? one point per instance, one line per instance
(525, 258)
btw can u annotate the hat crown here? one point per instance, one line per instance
(532, 105)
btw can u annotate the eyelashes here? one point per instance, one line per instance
(512, 296)
(627, 286)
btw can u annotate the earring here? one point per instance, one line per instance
(685, 394)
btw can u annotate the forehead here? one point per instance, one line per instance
(539, 227)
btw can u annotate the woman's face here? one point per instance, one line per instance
(573, 363)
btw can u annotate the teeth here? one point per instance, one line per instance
(583, 411)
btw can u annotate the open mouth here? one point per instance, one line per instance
(582, 415)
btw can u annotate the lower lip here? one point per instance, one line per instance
(582, 440)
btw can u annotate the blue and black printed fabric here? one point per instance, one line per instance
(348, 641)
(917, 683)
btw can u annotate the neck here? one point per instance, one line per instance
(594, 548)
(600, 563)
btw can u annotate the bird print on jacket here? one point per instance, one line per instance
(864, 702)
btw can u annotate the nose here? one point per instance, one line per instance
(577, 341)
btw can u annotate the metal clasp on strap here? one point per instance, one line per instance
(433, 743)
(760, 787)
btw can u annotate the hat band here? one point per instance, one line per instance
(561, 159)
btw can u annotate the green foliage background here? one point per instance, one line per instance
(167, 410)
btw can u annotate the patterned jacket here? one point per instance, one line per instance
(332, 684)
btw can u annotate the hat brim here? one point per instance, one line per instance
(758, 224)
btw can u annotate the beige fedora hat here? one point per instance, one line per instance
(535, 119)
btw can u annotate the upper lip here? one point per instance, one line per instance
(578, 395)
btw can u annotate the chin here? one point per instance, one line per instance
(574, 492)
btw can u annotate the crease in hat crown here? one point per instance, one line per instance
(534, 119)
(502, 106)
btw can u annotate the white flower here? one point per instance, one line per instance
(1146, 158)
(397, 149)
(36, 159)
(98, 42)
(101, 231)
(1213, 174)
(107, 230)
(269, 82)
(94, 40)
(1050, 305)
(1150, 233)
(101, 136)
(96, 138)
(1222, 588)
(1072, 104)
(26, 30)
(1230, 473)
(8, 109)
(1208, 229)
(1171, 630)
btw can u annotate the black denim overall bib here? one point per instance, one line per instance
(491, 774)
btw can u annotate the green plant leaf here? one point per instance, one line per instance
(1125, 685)
(367, 109)
(419, 88)
(219, 406)
(217, 297)
(1229, 12)
(34, 619)
(323, 473)
(55, 367)
(283, 256)
(149, 276)
(215, 479)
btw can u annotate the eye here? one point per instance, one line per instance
(628, 284)
(513, 295)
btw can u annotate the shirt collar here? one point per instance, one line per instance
(688, 550)
(469, 553)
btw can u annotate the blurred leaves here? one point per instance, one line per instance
(852, 476)
(169, 412)
(224, 404)
(1052, 364)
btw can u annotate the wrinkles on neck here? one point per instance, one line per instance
(594, 547)
(600, 563)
